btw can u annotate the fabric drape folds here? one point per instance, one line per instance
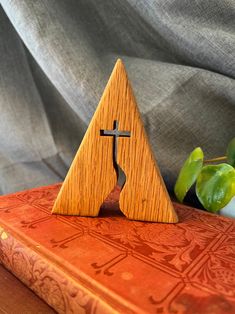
(56, 57)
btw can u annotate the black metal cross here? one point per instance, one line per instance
(116, 134)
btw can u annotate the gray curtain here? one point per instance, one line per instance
(56, 57)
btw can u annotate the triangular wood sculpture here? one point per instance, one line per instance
(93, 173)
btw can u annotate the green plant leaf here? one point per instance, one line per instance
(215, 186)
(189, 173)
(231, 152)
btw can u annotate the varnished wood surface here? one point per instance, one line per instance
(92, 175)
(16, 298)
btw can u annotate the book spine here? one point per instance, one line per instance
(48, 281)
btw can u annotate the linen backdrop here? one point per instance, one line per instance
(56, 57)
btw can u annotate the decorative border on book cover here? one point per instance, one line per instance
(141, 267)
(47, 281)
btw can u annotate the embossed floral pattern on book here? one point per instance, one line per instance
(110, 263)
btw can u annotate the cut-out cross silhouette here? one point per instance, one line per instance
(116, 134)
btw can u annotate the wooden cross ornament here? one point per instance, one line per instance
(116, 143)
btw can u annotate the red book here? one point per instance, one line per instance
(110, 264)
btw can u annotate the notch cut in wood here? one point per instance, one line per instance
(116, 141)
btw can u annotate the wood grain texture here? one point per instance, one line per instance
(92, 175)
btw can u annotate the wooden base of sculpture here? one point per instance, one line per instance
(116, 143)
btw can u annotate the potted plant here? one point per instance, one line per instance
(215, 183)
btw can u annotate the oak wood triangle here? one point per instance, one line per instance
(116, 139)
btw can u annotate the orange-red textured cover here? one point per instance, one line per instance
(113, 265)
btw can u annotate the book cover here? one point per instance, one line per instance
(110, 264)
